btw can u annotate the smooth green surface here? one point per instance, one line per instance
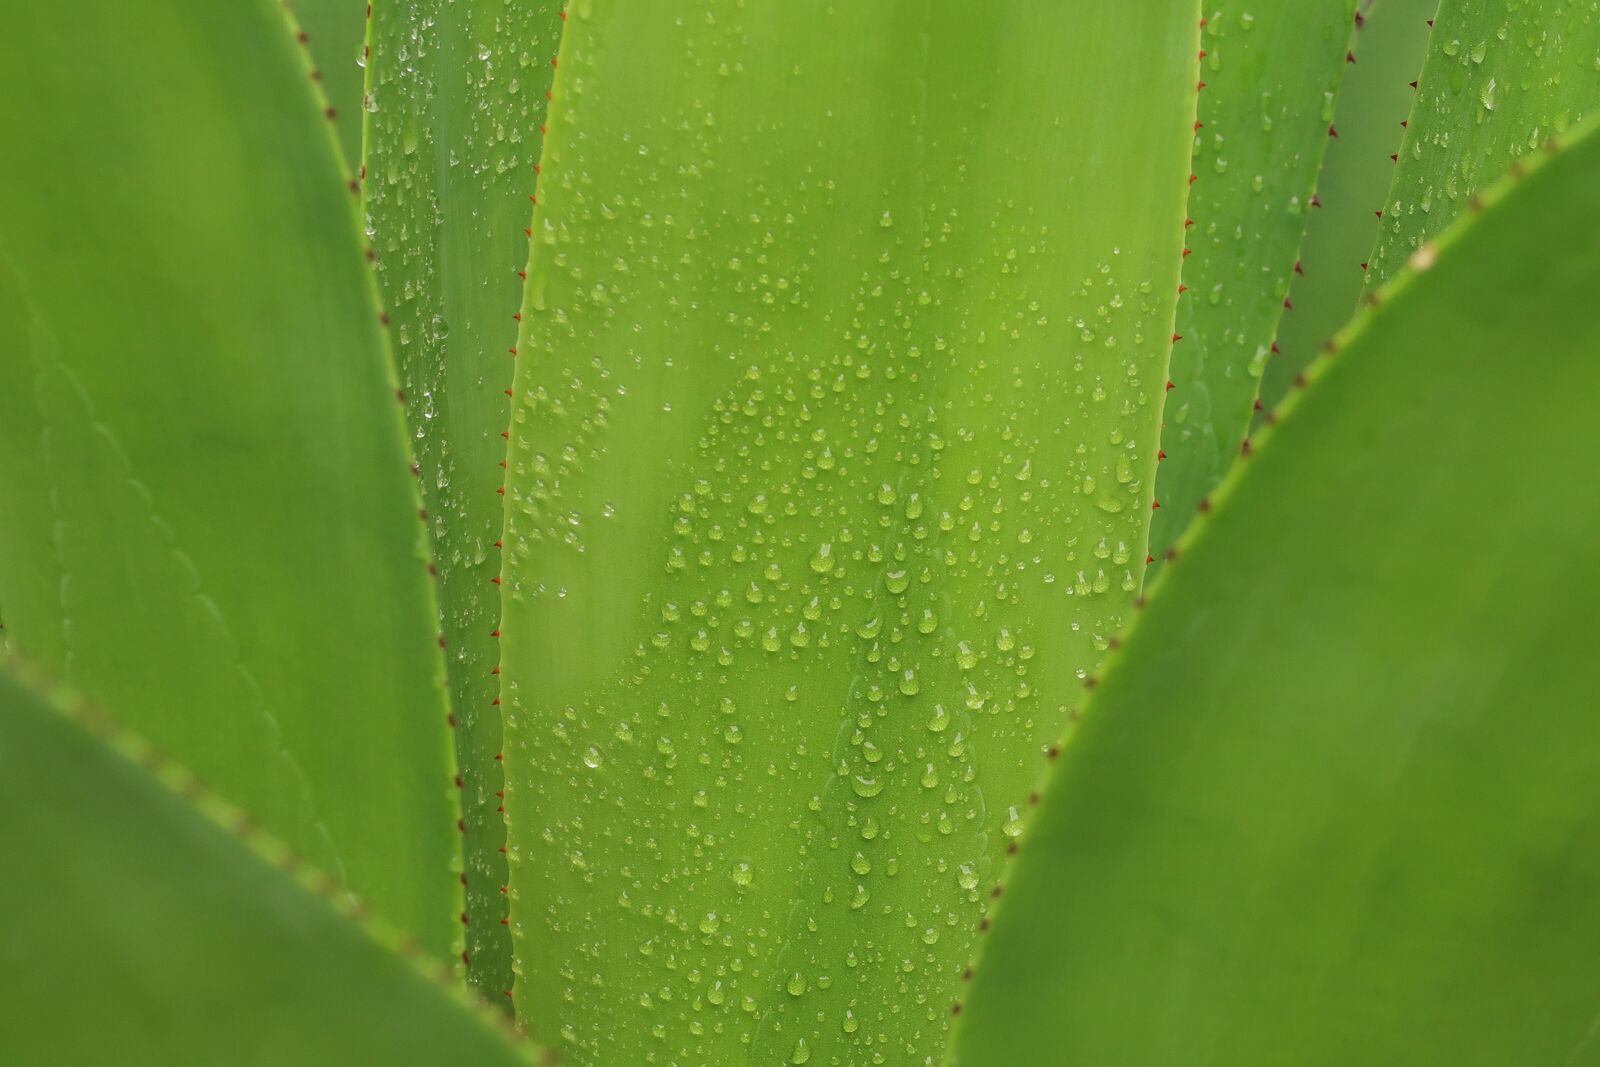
(214, 431)
(458, 93)
(141, 927)
(334, 33)
(1374, 101)
(1272, 72)
(1337, 800)
(1500, 78)
(832, 457)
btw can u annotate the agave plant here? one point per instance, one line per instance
(984, 534)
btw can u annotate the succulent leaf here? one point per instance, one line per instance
(843, 357)
(214, 463)
(1271, 73)
(1499, 80)
(1337, 799)
(457, 93)
(160, 926)
(1374, 103)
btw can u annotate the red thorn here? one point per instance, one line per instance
(1332, 132)
(1378, 213)
(495, 579)
(1160, 455)
(1186, 252)
(494, 633)
(1177, 337)
(1288, 304)
(1298, 269)
(495, 703)
(1170, 386)
(1199, 125)
(1182, 288)
(1149, 560)
(1275, 348)
(512, 350)
(1198, 86)
(1363, 266)
(1154, 504)
(1202, 53)
(1193, 178)
(1349, 57)
(1316, 201)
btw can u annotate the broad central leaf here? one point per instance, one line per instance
(844, 351)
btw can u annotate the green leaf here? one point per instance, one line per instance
(335, 33)
(214, 438)
(458, 94)
(1374, 100)
(147, 922)
(843, 359)
(1271, 73)
(1499, 80)
(1338, 799)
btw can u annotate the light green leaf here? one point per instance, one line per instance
(335, 32)
(147, 922)
(1271, 71)
(1500, 79)
(1337, 801)
(215, 438)
(458, 94)
(843, 360)
(1374, 100)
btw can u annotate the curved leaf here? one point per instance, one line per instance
(1374, 101)
(148, 923)
(836, 410)
(1271, 73)
(1499, 80)
(1347, 810)
(226, 487)
(458, 93)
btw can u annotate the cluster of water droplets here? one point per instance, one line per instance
(827, 492)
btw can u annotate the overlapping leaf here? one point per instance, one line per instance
(1370, 117)
(1271, 73)
(457, 94)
